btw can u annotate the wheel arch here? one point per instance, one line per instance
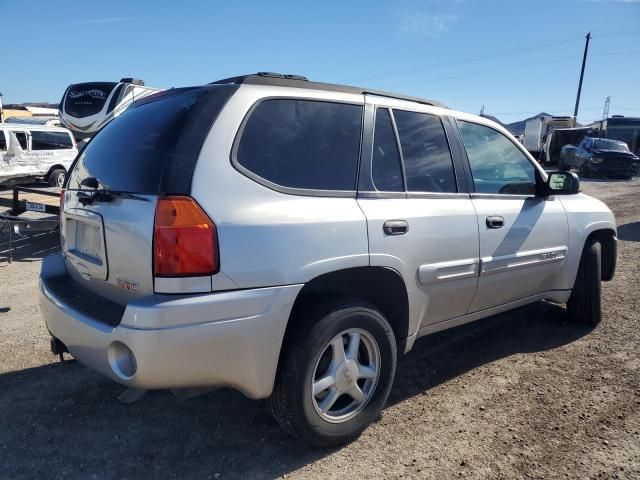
(57, 166)
(609, 244)
(383, 287)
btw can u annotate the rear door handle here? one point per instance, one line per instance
(395, 227)
(495, 222)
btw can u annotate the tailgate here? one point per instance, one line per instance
(108, 247)
(112, 190)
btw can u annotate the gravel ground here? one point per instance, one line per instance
(519, 395)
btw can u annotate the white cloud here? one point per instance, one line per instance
(427, 24)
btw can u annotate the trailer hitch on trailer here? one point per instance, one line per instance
(12, 224)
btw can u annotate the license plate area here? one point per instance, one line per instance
(35, 207)
(85, 245)
(87, 241)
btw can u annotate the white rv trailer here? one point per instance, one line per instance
(537, 129)
(87, 107)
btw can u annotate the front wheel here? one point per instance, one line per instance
(585, 304)
(585, 171)
(562, 166)
(335, 373)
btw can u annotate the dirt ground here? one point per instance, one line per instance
(519, 395)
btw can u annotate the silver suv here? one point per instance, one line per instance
(288, 238)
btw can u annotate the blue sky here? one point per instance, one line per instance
(516, 57)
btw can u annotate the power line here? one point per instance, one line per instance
(539, 45)
(508, 69)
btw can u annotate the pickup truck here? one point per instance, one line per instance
(600, 156)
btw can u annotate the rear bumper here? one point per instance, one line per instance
(230, 339)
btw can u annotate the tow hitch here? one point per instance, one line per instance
(58, 348)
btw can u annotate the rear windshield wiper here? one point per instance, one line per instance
(104, 195)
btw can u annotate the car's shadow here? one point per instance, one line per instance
(63, 419)
(629, 232)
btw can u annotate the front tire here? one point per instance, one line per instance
(585, 304)
(335, 373)
(562, 166)
(585, 171)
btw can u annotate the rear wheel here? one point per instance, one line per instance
(56, 178)
(335, 373)
(585, 304)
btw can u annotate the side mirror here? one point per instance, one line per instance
(562, 183)
(90, 182)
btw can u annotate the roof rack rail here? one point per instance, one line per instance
(299, 81)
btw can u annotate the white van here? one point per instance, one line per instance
(28, 151)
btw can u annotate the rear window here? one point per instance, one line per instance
(153, 147)
(303, 144)
(50, 140)
(610, 145)
(85, 99)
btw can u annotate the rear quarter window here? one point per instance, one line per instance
(302, 144)
(3, 141)
(22, 139)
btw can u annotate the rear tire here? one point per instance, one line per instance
(585, 304)
(298, 402)
(56, 178)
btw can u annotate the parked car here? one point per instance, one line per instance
(289, 239)
(28, 152)
(600, 156)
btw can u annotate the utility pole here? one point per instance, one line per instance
(584, 62)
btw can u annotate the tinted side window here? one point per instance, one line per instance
(50, 140)
(497, 165)
(3, 141)
(22, 139)
(303, 143)
(386, 170)
(425, 150)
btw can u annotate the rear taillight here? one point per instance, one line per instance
(61, 201)
(185, 242)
